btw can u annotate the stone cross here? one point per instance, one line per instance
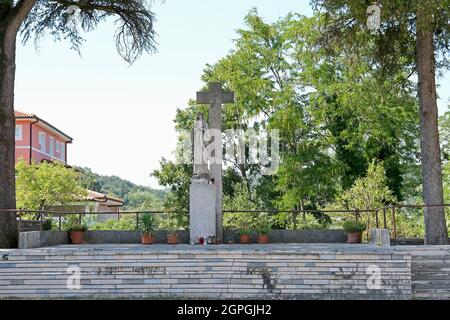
(215, 97)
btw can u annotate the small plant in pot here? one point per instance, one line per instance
(146, 225)
(263, 227)
(244, 236)
(170, 224)
(76, 233)
(263, 234)
(354, 230)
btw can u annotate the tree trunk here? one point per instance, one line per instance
(8, 222)
(11, 19)
(435, 224)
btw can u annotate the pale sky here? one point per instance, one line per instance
(121, 117)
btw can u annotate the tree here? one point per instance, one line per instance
(34, 18)
(413, 36)
(369, 192)
(332, 114)
(40, 187)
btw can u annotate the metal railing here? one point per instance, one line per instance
(383, 217)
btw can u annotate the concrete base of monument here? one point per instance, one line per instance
(273, 271)
(202, 211)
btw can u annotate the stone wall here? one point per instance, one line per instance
(39, 239)
(224, 272)
(30, 225)
(50, 238)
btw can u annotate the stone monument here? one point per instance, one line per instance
(208, 182)
(202, 194)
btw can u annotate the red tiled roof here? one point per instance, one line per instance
(21, 114)
(25, 115)
(95, 196)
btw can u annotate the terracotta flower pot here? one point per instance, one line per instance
(76, 237)
(148, 238)
(172, 239)
(263, 239)
(245, 238)
(354, 237)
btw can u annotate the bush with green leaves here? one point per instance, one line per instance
(77, 227)
(45, 185)
(147, 223)
(263, 223)
(170, 222)
(242, 221)
(369, 192)
(47, 225)
(353, 226)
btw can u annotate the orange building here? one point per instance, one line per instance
(37, 140)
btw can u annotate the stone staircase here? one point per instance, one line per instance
(430, 274)
(220, 272)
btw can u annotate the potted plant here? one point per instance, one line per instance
(76, 233)
(263, 234)
(146, 225)
(354, 230)
(244, 236)
(170, 224)
(263, 226)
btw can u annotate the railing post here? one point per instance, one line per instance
(59, 222)
(384, 217)
(20, 221)
(295, 213)
(137, 220)
(41, 216)
(376, 217)
(394, 225)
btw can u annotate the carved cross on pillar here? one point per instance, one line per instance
(215, 97)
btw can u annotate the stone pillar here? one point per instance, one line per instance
(202, 209)
(380, 237)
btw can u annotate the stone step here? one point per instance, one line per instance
(223, 274)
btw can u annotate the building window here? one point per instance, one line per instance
(19, 132)
(58, 150)
(63, 153)
(42, 145)
(52, 146)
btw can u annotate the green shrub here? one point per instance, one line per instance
(77, 227)
(147, 223)
(47, 225)
(351, 226)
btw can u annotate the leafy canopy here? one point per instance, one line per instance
(133, 19)
(42, 186)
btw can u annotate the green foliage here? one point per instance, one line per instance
(133, 18)
(77, 227)
(177, 177)
(171, 222)
(353, 226)
(143, 200)
(370, 192)
(335, 113)
(393, 48)
(40, 187)
(263, 223)
(147, 223)
(125, 223)
(135, 197)
(47, 225)
(444, 135)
